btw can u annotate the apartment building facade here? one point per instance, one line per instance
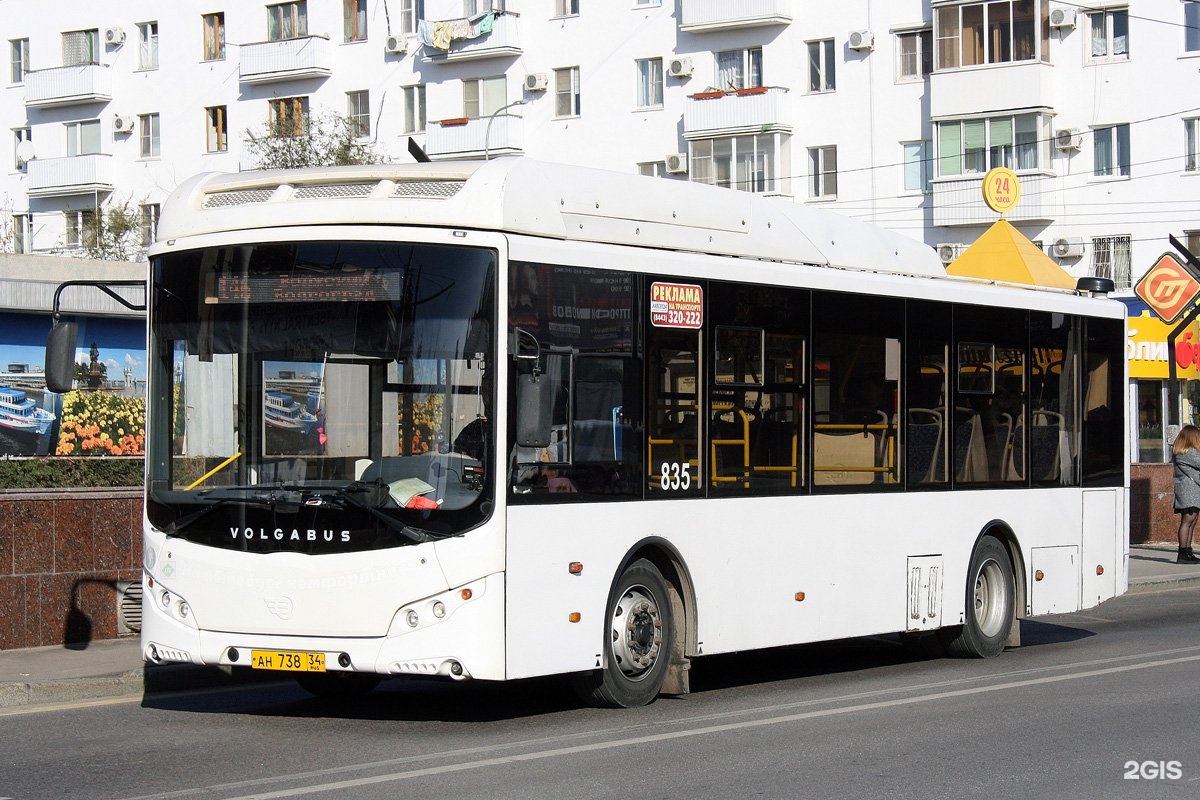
(885, 110)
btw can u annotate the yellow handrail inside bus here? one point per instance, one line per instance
(213, 471)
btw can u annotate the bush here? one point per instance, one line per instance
(69, 473)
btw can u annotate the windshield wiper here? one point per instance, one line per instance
(186, 521)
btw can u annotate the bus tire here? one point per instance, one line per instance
(990, 604)
(638, 637)
(338, 684)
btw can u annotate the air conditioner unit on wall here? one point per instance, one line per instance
(680, 67)
(396, 45)
(1068, 247)
(114, 35)
(536, 82)
(1068, 139)
(677, 163)
(862, 40)
(1062, 18)
(948, 251)
(123, 123)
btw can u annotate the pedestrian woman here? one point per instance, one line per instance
(1186, 458)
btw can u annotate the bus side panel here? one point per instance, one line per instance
(1105, 545)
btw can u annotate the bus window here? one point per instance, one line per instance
(673, 459)
(1103, 461)
(989, 436)
(856, 385)
(756, 396)
(580, 324)
(1053, 386)
(927, 417)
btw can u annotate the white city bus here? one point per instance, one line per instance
(508, 419)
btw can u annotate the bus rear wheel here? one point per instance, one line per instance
(638, 635)
(991, 604)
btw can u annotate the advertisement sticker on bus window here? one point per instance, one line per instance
(676, 305)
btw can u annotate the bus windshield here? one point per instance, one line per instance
(324, 396)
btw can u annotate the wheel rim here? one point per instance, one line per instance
(991, 598)
(636, 632)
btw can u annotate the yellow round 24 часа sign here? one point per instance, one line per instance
(1001, 189)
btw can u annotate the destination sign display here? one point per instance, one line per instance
(307, 287)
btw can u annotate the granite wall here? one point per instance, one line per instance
(61, 556)
(1151, 517)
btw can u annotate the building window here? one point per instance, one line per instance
(149, 223)
(414, 108)
(147, 45)
(1191, 240)
(1111, 258)
(650, 83)
(1109, 34)
(751, 163)
(1191, 145)
(739, 69)
(821, 63)
(81, 47)
(994, 32)
(22, 238)
(287, 21)
(1191, 26)
(566, 92)
(148, 134)
(483, 97)
(289, 116)
(83, 138)
(1110, 151)
(19, 59)
(354, 20)
(411, 14)
(918, 166)
(972, 146)
(822, 172)
(20, 135)
(914, 55)
(358, 113)
(216, 121)
(653, 169)
(81, 228)
(214, 36)
(566, 8)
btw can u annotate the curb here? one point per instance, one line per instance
(149, 680)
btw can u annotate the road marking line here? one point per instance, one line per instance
(702, 731)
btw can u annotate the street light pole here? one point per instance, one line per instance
(488, 130)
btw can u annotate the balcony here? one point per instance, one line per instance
(700, 16)
(963, 91)
(959, 201)
(286, 60)
(458, 139)
(754, 110)
(502, 41)
(72, 175)
(68, 86)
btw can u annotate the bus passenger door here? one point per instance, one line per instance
(673, 431)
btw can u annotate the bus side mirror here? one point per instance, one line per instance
(534, 410)
(60, 357)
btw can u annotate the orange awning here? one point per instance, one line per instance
(1005, 254)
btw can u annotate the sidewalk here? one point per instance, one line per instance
(113, 667)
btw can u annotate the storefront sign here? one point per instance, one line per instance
(1168, 288)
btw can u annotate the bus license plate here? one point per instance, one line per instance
(287, 660)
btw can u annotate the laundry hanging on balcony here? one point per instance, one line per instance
(440, 33)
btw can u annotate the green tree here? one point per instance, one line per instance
(320, 140)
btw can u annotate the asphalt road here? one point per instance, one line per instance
(1099, 704)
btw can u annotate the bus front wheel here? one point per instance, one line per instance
(991, 604)
(638, 635)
